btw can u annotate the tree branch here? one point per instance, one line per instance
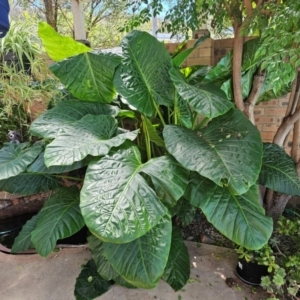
(258, 82)
(248, 6)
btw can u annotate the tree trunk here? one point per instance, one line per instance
(51, 7)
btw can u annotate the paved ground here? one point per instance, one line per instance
(30, 277)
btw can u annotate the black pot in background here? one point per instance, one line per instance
(251, 272)
(12, 59)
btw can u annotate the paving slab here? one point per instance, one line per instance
(31, 277)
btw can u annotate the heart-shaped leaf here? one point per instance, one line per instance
(278, 171)
(228, 150)
(23, 241)
(49, 124)
(14, 159)
(60, 218)
(116, 202)
(241, 218)
(206, 99)
(88, 76)
(29, 184)
(89, 284)
(59, 47)
(142, 261)
(184, 113)
(143, 78)
(177, 271)
(91, 135)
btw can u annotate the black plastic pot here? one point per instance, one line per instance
(251, 272)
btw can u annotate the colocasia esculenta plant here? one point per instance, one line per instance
(131, 144)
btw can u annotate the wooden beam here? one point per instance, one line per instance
(78, 20)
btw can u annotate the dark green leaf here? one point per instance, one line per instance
(23, 241)
(278, 171)
(116, 202)
(177, 271)
(228, 150)
(249, 50)
(142, 261)
(179, 59)
(49, 124)
(60, 218)
(206, 99)
(59, 47)
(241, 218)
(29, 183)
(88, 76)
(170, 179)
(104, 268)
(15, 158)
(89, 284)
(143, 78)
(91, 135)
(39, 166)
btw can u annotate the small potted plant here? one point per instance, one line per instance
(277, 264)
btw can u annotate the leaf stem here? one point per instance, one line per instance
(200, 125)
(159, 113)
(69, 177)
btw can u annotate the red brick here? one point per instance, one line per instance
(271, 103)
(267, 136)
(259, 111)
(270, 127)
(278, 111)
(264, 119)
(259, 127)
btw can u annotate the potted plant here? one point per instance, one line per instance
(128, 154)
(279, 260)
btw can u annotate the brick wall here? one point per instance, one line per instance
(268, 115)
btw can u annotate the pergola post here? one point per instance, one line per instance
(78, 20)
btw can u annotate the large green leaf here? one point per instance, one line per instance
(104, 268)
(206, 99)
(38, 166)
(59, 47)
(89, 284)
(170, 179)
(278, 171)
(15, 158)
(91, 135)
(239, 217)
(179, 59)
(143, 78)
(23, 241)
(29, 183)
(249, 50)
(177, 271)
(65, 113)
(228, 150)
(116, 202)
(142, 261)
(60, 218)
(88, 76)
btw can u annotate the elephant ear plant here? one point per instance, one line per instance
(131, 144)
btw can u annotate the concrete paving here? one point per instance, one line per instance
(30, 277)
